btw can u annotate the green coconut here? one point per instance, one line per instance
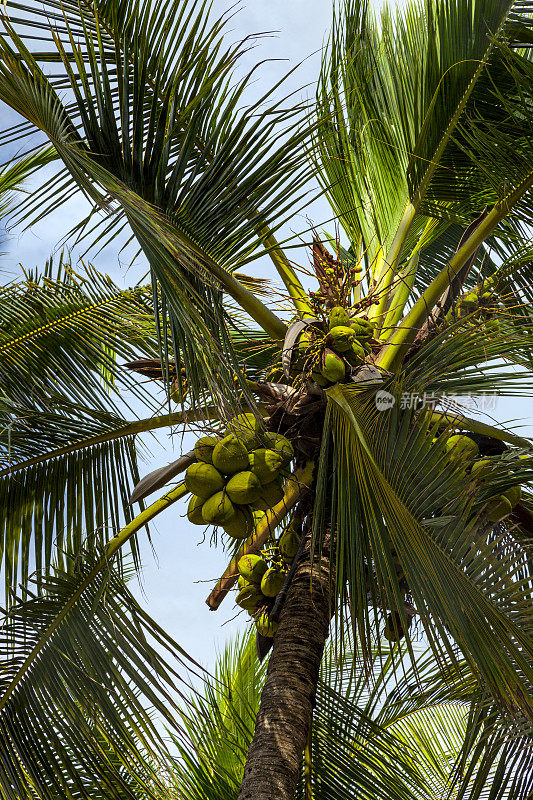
(393, 632)
(493, 325)
(219, 509)
(279, 443)
(338, 316)
(194, 510)
(481, 469)
(242, 582)
(266, 626)
(272, 581)
(498, 508)
(513, 494)
(317, 377)
(230, 455)
(356, 354)
(247, 428)
(362, 328)
(203, 449)
(271, 495)
(243, 488)
(289, 543)
(266, 464)
(334, 368)
(241, 525)
(252, 568)
(461, 447)
(249, 598)
(340, 338)
(203, 479)
(470, 300)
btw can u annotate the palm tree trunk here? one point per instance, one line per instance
(284, 717)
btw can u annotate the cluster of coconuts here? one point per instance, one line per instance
(261, 578)
(462, 448)
(482, 301)
(236, 475)
(345, 345)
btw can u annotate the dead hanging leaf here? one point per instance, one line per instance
(160, 477)
(262, 645)
(151, 368)
(291, 339)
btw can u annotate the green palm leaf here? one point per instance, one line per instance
(63, 333)
(83, 674)
(68, 462)
(393, 97)
(196, 210)
(369, 741)
(461, 584)
(14, 174)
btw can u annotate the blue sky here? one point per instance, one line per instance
(180, 570)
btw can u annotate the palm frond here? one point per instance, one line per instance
(15, 173)
(64, 333)
(377, 732)
(395, 97)
(470, 589)
(46, 506)
(84, 675)
(219, 724)
(67, 458)
(171, 150)
(493, 759)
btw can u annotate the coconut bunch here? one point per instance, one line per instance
(329, 356)
(464, 450)
(261, 578)
(481, 303)
(345, 346)
(236, 475)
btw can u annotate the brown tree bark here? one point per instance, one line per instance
(284, 717)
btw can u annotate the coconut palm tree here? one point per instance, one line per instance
(397, 505)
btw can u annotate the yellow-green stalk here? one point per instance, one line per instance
(401, 339)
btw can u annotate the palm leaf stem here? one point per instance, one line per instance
(112, 547)
(400, 296)
(132, 428)
(166, 232)
(297, 484)
(481, 428)
(400, 341)
(287, 274)
(392, 259)
(249, 303)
